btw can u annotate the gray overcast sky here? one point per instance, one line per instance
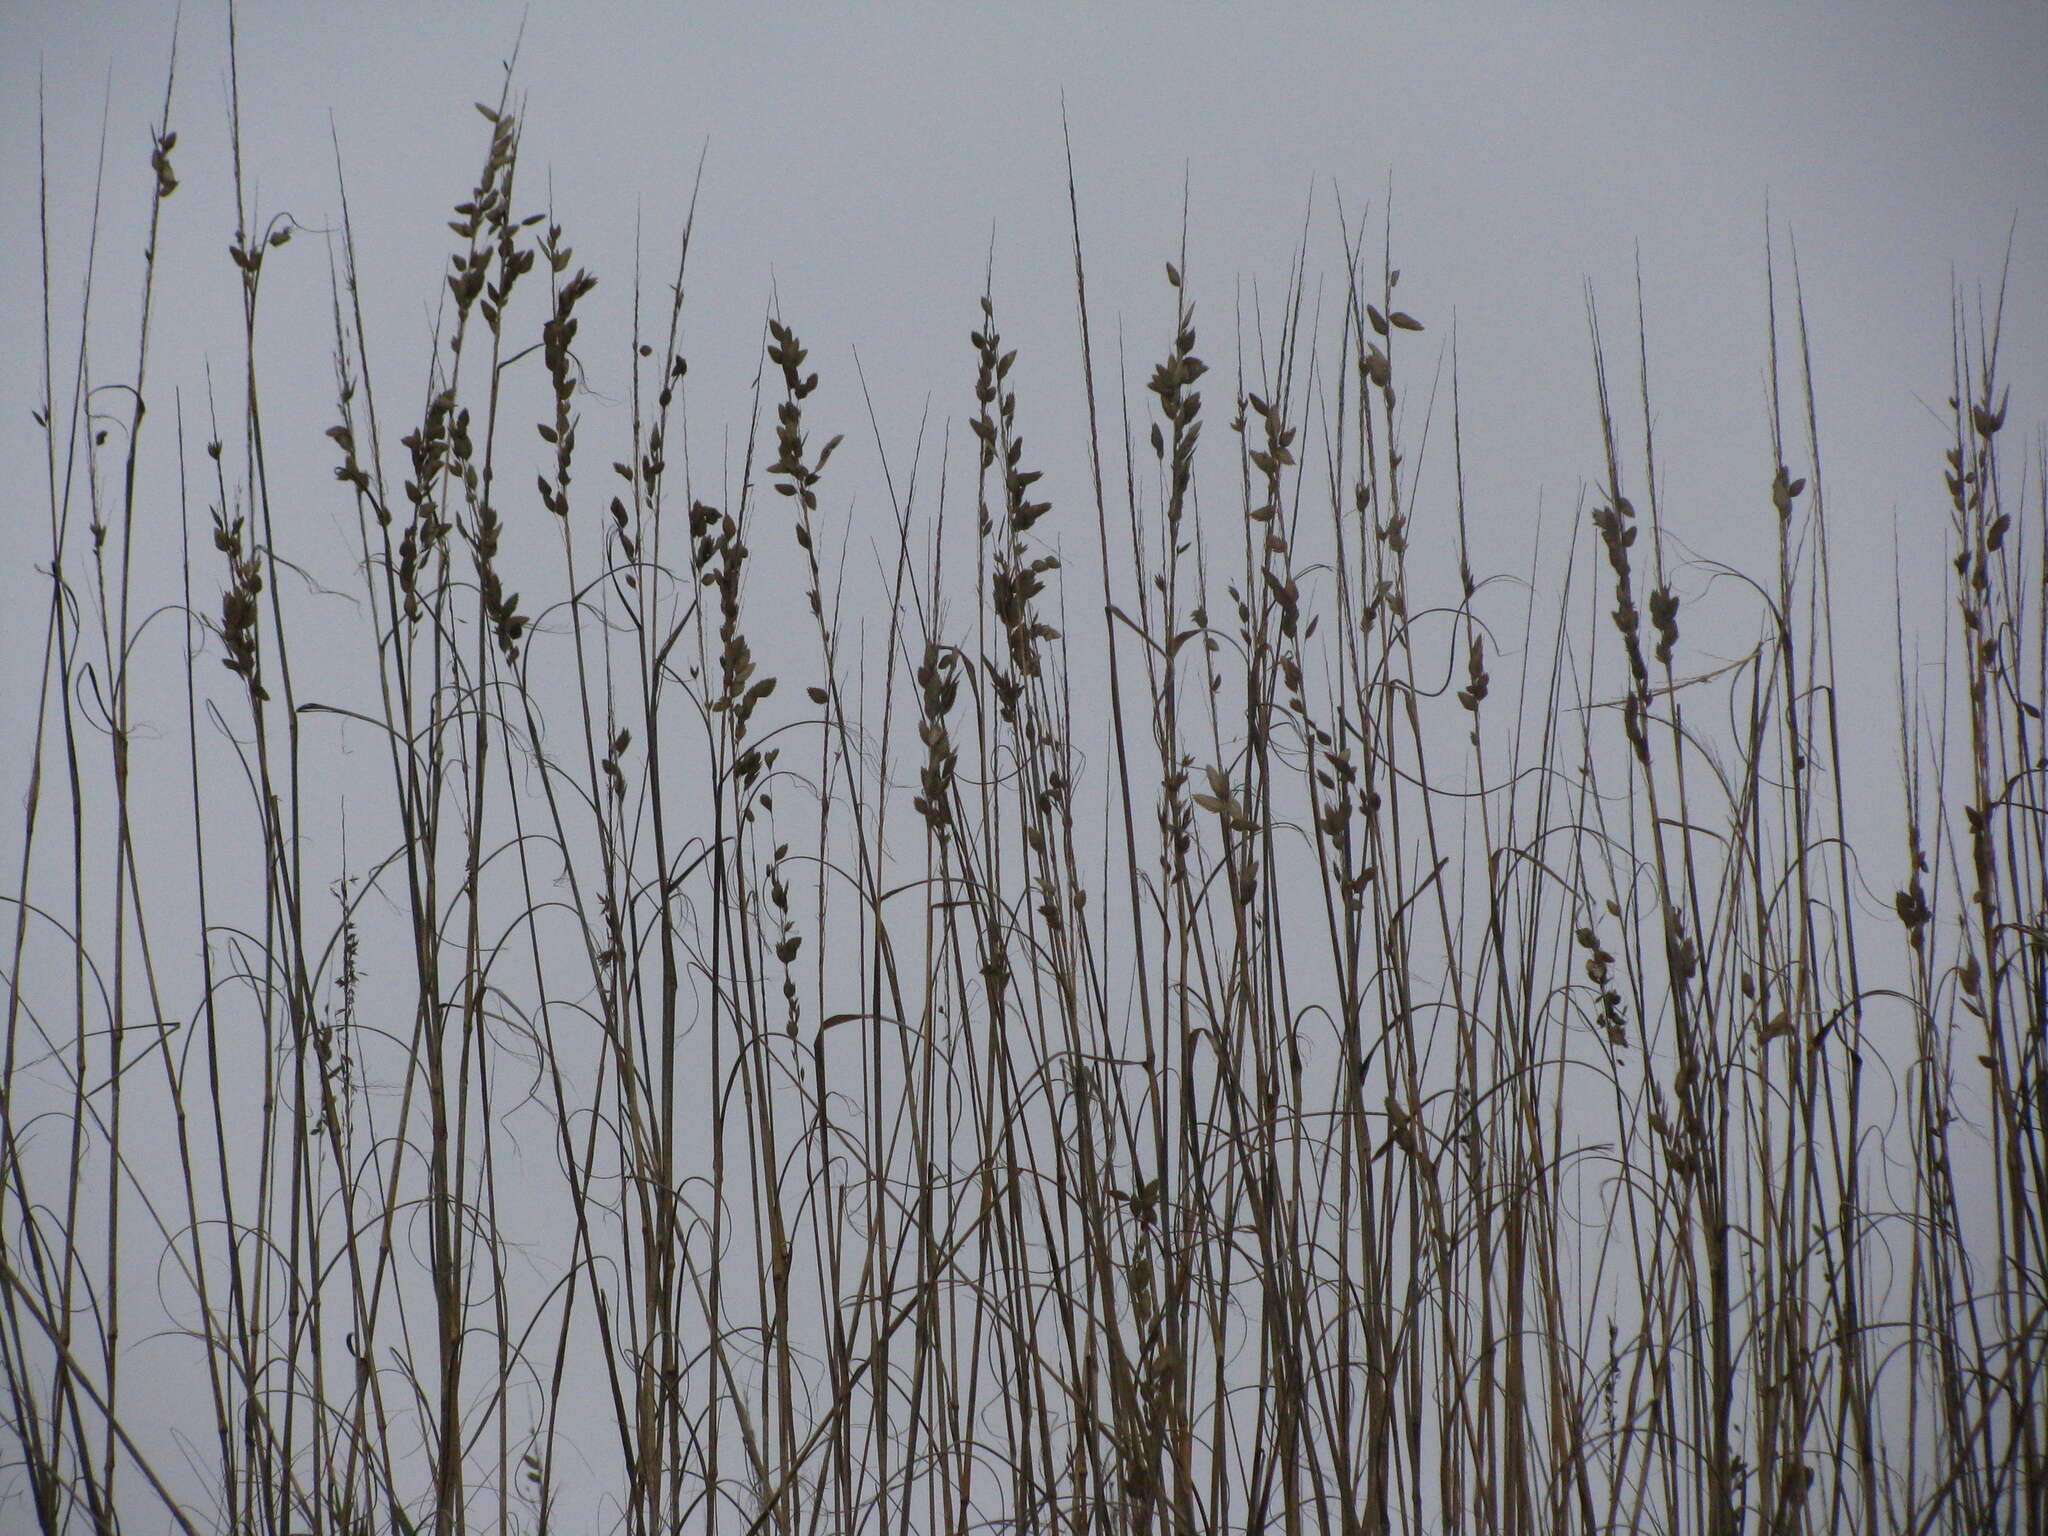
(859, 156)
(860, 160)
(861, 163)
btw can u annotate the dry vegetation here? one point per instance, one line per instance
(1218, 1037)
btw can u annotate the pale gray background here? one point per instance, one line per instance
(859, 161)
(861, 157)
(862, 162)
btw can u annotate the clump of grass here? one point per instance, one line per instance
(1243, 1065)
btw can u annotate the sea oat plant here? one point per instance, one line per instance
(1167, 1012)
